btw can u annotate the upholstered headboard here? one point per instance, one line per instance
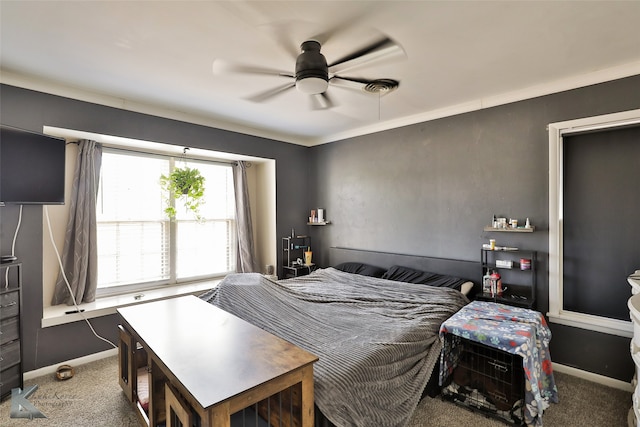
(469, 270)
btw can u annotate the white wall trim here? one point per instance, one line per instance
(543, 89)
(546, 88)
(586, 375)
(45, 86)
(596, 378)
(556, 313)
(57, 314)
(74, 362)
(593, 323)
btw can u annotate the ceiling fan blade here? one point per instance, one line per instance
(220, 66)
(268, 94)
(350, 21)
(321, 101)
(380, 50)
(335, 31)
(281, 33)
(349, 83)
(256, 16)
(379, 87)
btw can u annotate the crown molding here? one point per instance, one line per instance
(568, 83)
(548, 88)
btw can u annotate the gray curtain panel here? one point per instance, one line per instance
(80, 255)
(246, 254)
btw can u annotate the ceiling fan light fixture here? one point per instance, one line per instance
(312, 74)
(312, 85)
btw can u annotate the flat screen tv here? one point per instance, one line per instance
(31, 168)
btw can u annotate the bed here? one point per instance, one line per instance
(377, 338)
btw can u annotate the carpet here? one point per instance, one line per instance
(93, 398)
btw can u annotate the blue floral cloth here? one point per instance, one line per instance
(511, 329)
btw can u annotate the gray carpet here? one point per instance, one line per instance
(93, 398)
(582, 404)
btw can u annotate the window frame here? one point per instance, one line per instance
(557, 313)
(172, 281)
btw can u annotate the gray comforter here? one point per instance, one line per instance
(377, 340)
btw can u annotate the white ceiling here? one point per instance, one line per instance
(157, 57)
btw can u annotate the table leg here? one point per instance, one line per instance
(220, 416)
(307, 396)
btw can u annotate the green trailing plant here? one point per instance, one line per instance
(185, 184)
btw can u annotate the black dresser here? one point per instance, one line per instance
(10, 328)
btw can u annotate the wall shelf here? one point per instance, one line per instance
(319, 223)
(510, 230)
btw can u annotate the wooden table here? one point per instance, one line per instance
(202, 358)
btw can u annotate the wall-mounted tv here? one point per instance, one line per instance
(31, 167)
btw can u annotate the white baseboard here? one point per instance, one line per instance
(596, 378)
(74, 362)
(590, 376)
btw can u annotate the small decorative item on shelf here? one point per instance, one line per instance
(317, 217)
(501, 224)
(307, 256)
(487, 247)
(496, 284)
(504, 263)
(486, 282)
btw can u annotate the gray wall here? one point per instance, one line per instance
(604, 167)
(32, 110)
(430, 188)
(426, 189)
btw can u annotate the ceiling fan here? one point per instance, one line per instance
(313, 74)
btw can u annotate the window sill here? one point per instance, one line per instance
(593, 323)
(56, 315)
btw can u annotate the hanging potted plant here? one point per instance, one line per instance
(184, 184)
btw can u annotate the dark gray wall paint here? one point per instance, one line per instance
(426, 189)
(601, 177)
(32, 110)
(590, 351)
(430, 188)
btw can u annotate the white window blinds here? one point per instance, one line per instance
(138, 246)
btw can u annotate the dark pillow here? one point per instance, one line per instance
(411, 275)
(360, 268)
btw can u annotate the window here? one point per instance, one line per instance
(138, 246)
(561, 311)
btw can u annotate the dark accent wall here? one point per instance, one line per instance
(601, 177)
(32, 110)
(430, 188)
(426, 189)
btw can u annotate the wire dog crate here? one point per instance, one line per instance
(487, 380)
